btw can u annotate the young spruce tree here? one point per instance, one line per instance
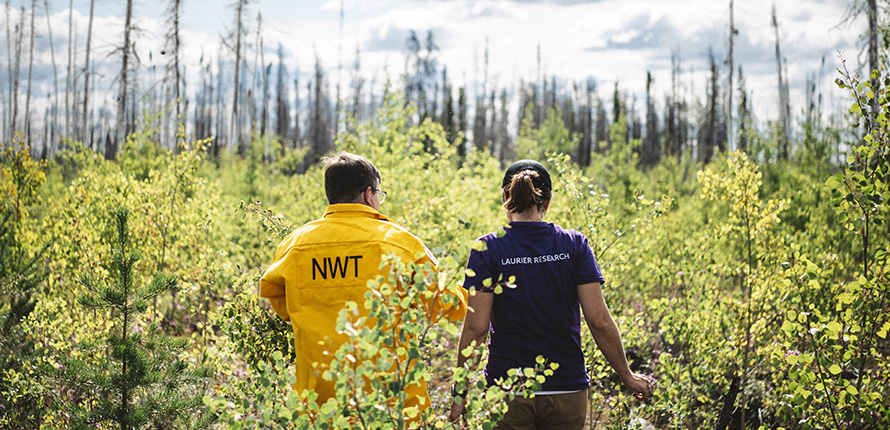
(144, 381)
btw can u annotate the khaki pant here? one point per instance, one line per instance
(546, 412)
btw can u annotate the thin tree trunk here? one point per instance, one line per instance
(55, 110)
(68, 71)
(282, 123)
(75, 91)
(86, 72)
(176, 12)
(19, 32)
(339, 71)
(122, 103)
(30, 69)
(358, 83)
(783, 120)
(220, 112)
(9, 46)
(239, 24)
(873, 51)
(296, 132)
(256, 85)
(265, 77)
(729, 91)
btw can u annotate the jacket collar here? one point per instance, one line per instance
(353, 210)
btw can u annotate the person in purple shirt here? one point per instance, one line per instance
(547, 275)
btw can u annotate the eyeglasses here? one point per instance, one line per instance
(380, 194)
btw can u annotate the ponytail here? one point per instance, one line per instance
(526, 189)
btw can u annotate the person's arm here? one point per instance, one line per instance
(476, 326)
(272, 285)
(608, 338)
(452, 311)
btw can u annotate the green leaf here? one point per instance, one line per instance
(834, 328)
(882, 333)
(855, 108)
(787, 327)
(835, 369)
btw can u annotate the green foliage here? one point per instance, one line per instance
(389, 347)
(21, 275)
(143, 381)
(255, 332)
(837, 334)
(755, 270)
(551, 136)
(20, 178)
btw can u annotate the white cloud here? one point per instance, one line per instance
(609, 40)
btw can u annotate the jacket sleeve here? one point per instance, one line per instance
(272, 285)
(456, 308)
(448, 301)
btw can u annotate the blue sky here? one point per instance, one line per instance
(606, 40)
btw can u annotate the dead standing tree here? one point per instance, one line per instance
(174, 12)
(9, 126)
(111, 150)
(784, 106)
(282, 123)
(55, 112)
(234, 126)
(19, 32)
(320, 131)
(730, 60)
(30, 69)
(86, 75)
(68, 76)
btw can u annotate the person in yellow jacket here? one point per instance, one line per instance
(328, 262)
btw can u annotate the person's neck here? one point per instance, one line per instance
(527, 217)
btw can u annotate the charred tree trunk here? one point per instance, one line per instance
(282, 122)
(339, 105)
(53, 118)
(175, 13)
(111, 150)
(19, 34)
(68, 76)
(783, 102)
(10, 128)
(732, 32)
(30, 69)
(358, 83)
(297, 131)
(235, 130)
(651, 155)
(86, 73)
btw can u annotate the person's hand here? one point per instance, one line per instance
(456, 414)
(641, 385)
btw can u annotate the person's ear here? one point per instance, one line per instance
(546, 204)
(367, 194)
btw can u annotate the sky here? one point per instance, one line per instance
(608, 41)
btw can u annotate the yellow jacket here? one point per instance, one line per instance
(324, 264)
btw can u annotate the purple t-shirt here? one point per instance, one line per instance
(541, 315)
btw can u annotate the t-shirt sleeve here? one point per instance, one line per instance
(479, 273)
(587, 269)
